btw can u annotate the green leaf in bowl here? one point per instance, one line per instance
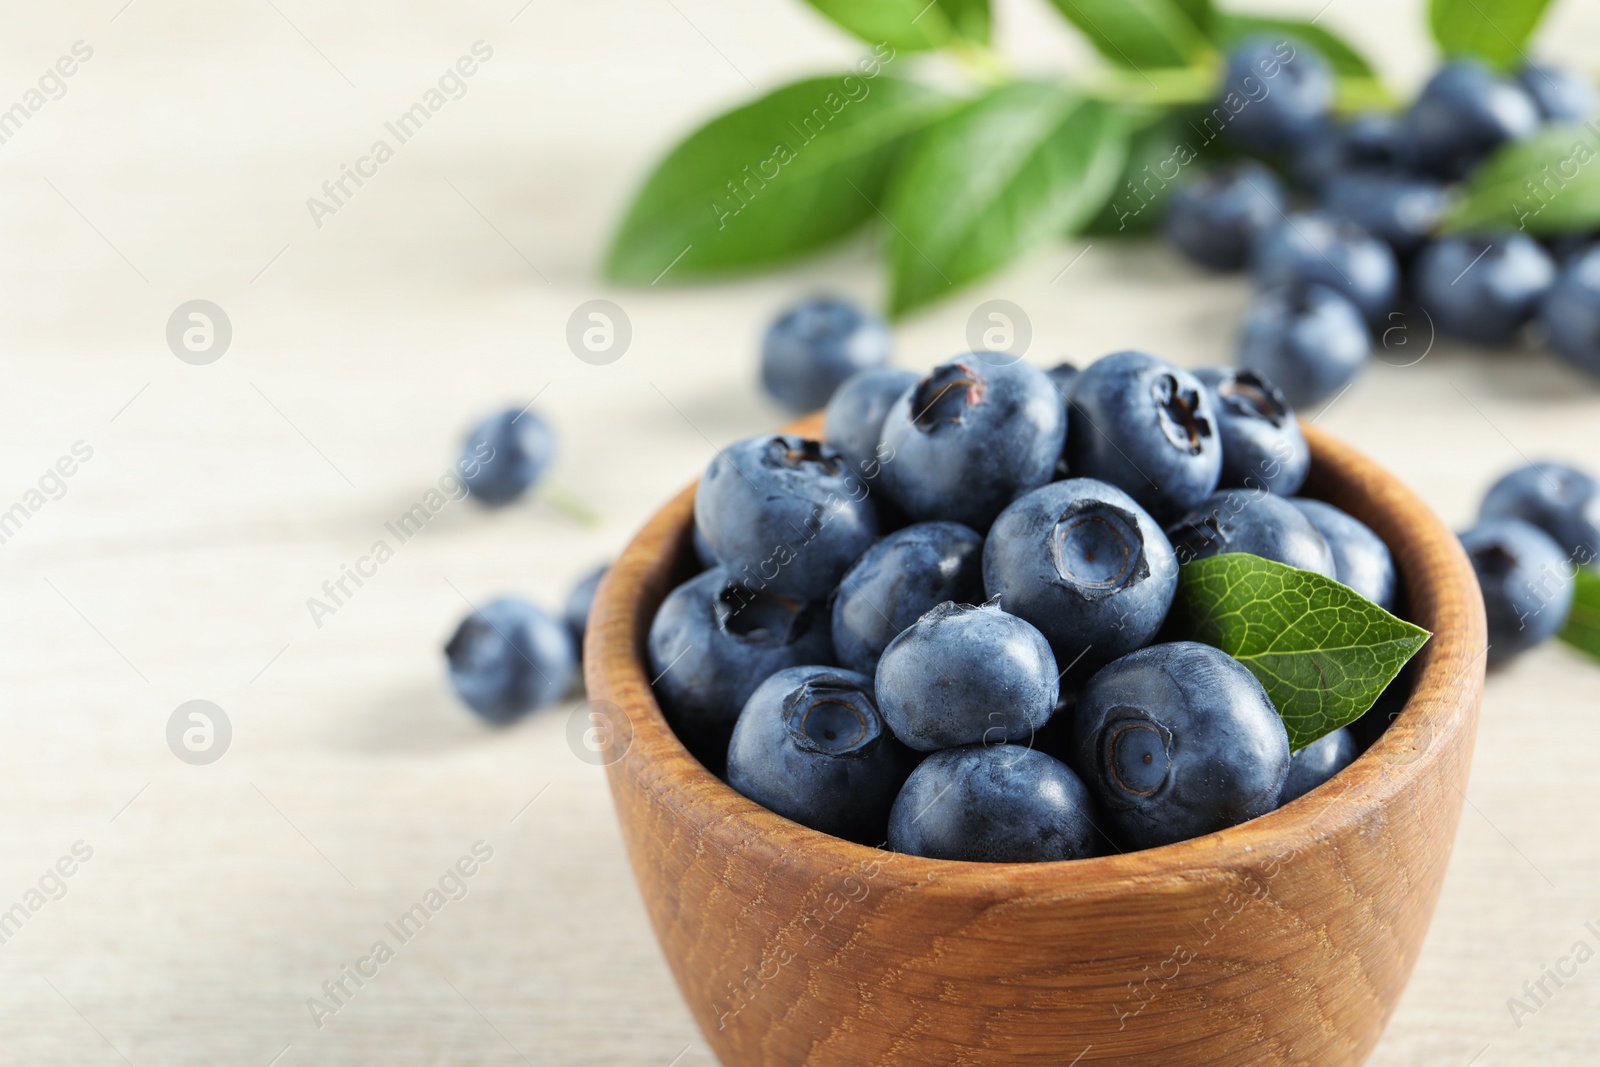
(1494, 31)
(1323, 652)
(1547, 184)
(1582, 631)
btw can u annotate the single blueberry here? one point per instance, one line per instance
(1324, 249)
(855, 414)
(508, 658)
(1400, 208)
(817, 344)
(1370, 139)
(1178, 740)
(1087, 566)
(811, 746)
(1277, 90)
(1318, 762)
(1462, 114)
(505, 454)
(703, 553)
(1216, 218)
(579, 601)
(1482, 287)
(1561, 500)
(1146, 427)
(1307, 338)
(993, 804)
(1262, 445)
(785, 514)
(713, 641)
(1571, 312)
(1560, 95)
(1360, 558)
(969, 438)
(1254, 521)
(1527, 583)
(897, 581)
(966, 674)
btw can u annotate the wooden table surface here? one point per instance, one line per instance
(207, 904)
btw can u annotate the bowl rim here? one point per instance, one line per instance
(644, 754)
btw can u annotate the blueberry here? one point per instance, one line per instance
(1146, 427)
(964, 674)
(1562, 501)
(1254, 521)
(1176, 741)
(1360, 558)
(817, 344)
(1307, 338)
(993, 804)
(579, 601)
(1370, 139)
(785, 514)
(1087, 566)
(1571, 311)
(505, 454)
(1560, 95)
(1262, 445)
(897, 581)
(971, 437)
(1324, 249)
(1216, 218)
(1318, 762)
(1526, 581)
(703, 553)
(855, 414)
(1062, 375)
(1462, 114)
(1278, 92)
(713, 641)
(811, 746)
(1482, 287)
(508, 658)
(1400, 208)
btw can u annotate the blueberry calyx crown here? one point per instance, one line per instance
(809, 451)
(944, 396)
(1136, 753)
(471, 645)
(1248, 394)
(1098, 549)
(1178, 412)
(759, 617)
(831, 717)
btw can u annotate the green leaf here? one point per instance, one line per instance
(914, 25)
(1494, 31)
(1026, 162)
(791, 171)
(1228, 29)
(1157, 154)
(1323, 652)
(1547, 184)
(1582, 631)
(969, 18)
(1138, 33)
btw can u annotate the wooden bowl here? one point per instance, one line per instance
(1285, 940)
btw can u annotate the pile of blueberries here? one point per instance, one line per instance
(1347, 237)
(945, 626)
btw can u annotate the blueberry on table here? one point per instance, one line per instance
(1465, 112)
(508, 658)
(1178, 740)
(817, 344)
(1307, 339)
(505, 454)
(855, 414)
(713, 641)
(1400, 208)
(970, 437)
(1262, 446)
(966, 674)
(1317, 763)
(1560, 95)
(993, 804)
(811, 746)
(1278, 91)
(1562, 501)
(785, 514)
(1360, 558)
(1571, 311)
(1254, 521)
(1527, 583)
(897, 581)
(1482, 287)
(1370, 139)
(1146, 427)
(579, 601)
(1324, 249)
(1216, 218)
(1087, 566)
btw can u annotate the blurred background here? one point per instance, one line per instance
(209, 901)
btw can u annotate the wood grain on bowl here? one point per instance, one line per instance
(1285, 940)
